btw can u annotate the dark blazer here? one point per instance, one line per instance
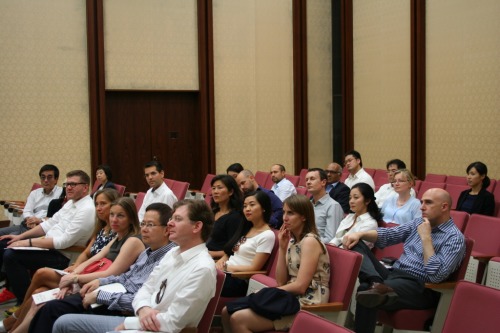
(484, 204)
(340, 193)
(277, 206)
(107, 185)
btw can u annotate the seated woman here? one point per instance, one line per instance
(477, 200)
(303, 268)
(364, 216)
(123, 250)
(226, 204)
(48, 278)
(251, 246)
(402, 208)
(104, 175)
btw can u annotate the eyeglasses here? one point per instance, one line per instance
(160, 294)
(73, 184)
(391, 171)
(399, 181)
(149, 225)
(236, 246)
(49, 177)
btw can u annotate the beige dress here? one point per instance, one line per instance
(318, 290)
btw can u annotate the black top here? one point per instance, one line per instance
(224, 229)
(484, 203)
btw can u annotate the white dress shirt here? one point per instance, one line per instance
(38, 202)
(283, 189)
(162, 194)
(190, 284)
(360, 177)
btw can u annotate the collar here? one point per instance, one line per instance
(321, 201)
(356, 175)
(51, 192)
(184, 257)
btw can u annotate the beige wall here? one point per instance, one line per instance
(253, 79)
(151, 45)
(43, 91)
(319, 82)
(463, 85)
(382, 94)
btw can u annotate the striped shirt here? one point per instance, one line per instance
(132, 280)
(449, 248)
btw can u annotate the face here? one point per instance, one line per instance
(474, 178)
(293, 221)
(351, 163)
(220, 192)
(314, 183)
(181, 229)
(432, 208)
(252, 209)
(245, 183)
(153, 233)
(357, 202)
(153, 177)
(333, 173)
(232, 174)
(48, 180)
(119, 220)
(75, 190)
(390, 172)
(100, 175)
(401, 184)
(276, 174)
(102, 207)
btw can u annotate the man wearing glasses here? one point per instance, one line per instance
(386, 191)
(72, 225)
(337, 190)
(354, 164)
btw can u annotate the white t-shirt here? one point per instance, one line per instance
(261, 243)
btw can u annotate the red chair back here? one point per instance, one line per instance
(120, 189)
(206, 320)
(485, 230)
(428, 185)
(455, 190)
(139, 199)
(293, 179)
(179, 189)
(456, 180)
(261, 177)
(460, 219)
(302, 176)
(308, 322)
(303, 191)
(206, 187)
(370, 171)
(435, 178)
(35, 186)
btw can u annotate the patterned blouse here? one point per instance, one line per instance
(102, 239)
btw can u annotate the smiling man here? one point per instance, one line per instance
(72, 225)
(159, 191)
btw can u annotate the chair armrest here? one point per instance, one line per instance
(484, 258)
(246, 275)
(75, 248)
(324, 307)
(443, 285)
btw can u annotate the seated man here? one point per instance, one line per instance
(38, 201)
(246, 181)
(72, 225)
(354, 164)
(154, 231)
(283, 188)
(178, 290)
(159, 191)
(433, 249)
(337, 190)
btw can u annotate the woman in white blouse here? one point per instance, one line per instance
(365, 213)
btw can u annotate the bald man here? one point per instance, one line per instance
(337, 190)
(433, 249)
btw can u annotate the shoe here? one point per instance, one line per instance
(6, 296)
(378, 295)
(11, 310)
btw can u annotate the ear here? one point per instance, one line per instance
(197, 227)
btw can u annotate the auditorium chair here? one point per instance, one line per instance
(293, 179)
(302, 176)
(435, 178)
(456, 180)
(261, 177)
(425, 185)
(493, 273)
(206, 188)
(308, 322)
(454, 191)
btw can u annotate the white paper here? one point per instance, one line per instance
(45, 296)
(31, 248)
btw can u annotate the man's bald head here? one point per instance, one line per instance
(436, 205)
(333, 172)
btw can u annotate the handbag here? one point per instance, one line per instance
(270, 303)
(97, 266)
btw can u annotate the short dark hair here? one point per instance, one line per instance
(84, 177)
(356, 155)
(107, 170)
(282, 167)
(49, 167)
(235, 167)
(198, 210)
(163, 210)
(156, 164)
(400, 164)
(322, 173)
(482, 169)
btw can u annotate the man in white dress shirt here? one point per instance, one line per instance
(159, 191)
(283, 188)
(357, 174)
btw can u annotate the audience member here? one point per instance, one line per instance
(303, 268)
(155, 233)
(251, 248)
(283, 188)
(477, 200)
(247, 183)
(48, 278)
(433, 249)
(387, 190)
(234, 169)
(327, 211)
(364, 217)
(337, 190)
(401, 208)
(72, 225)
(227, 205)
(104, 176)
(159, 191)
(357, 174)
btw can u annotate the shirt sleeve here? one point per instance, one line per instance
(266, 243)
(116, 301)
(446, 260)
(28, 208)
(391, 236)
(80, 224)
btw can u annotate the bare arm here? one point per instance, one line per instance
(281, 266)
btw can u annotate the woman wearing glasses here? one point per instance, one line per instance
(303, 268)
(123, 250)
(401, 208)
(251, 246)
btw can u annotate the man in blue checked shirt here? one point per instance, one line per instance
(433, 249)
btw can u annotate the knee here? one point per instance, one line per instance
(9, 256)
